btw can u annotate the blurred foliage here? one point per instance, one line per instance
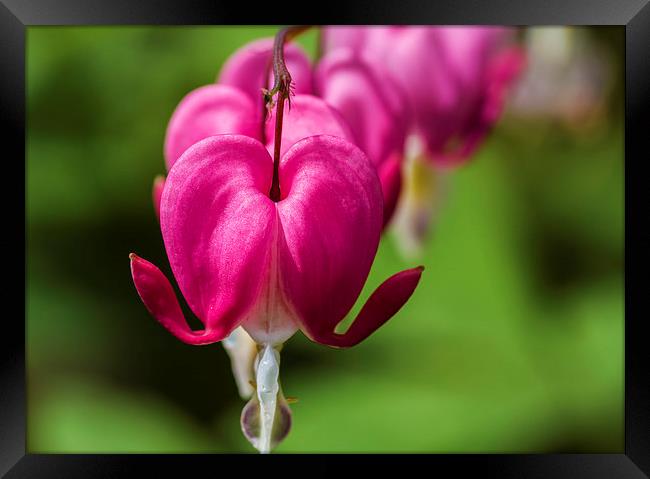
(513, 341)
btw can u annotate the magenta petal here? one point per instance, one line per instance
(206, 111)
(501, 72)
(159, 298)
(449, 76)
(331, 217)
(307, 116)
(372, 104)
(217, 223)
(382, 305)
(390, 176)
(249, 69)
(156, 193)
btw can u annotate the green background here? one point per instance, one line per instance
(512, 342)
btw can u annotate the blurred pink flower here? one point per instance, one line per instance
(272, 267)
(454, 78)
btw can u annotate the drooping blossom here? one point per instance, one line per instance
(240, 258)
(234, 106)
(455, 79)
(261, 246)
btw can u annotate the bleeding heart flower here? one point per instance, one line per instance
(219, 109)
(454, 77)
(261, 247)
(240, 258)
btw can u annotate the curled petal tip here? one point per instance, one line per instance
(382, 305)
(159, 298)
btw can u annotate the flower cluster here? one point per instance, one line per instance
(271, 216)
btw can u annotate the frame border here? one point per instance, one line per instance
(16, 15)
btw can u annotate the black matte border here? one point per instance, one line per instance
(15, 15)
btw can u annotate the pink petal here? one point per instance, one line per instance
(382, 305)
(331, 216)
(218, 223)
(159, 298)
(206, 111)
(499, 73)
(372, 104)
(156, 193)
(249, 69)
(307, 116)
(390, 176)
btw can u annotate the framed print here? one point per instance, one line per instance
(415, 230)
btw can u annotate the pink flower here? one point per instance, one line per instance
(455, 78)
(261, 247)
(272, 267)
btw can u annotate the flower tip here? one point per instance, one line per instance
(420, 268)
(133, 256)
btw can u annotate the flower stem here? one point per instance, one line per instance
(281, 87)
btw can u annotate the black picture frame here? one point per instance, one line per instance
(634, 15)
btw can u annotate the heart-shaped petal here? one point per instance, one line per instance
(331, 218)
(217, 224)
